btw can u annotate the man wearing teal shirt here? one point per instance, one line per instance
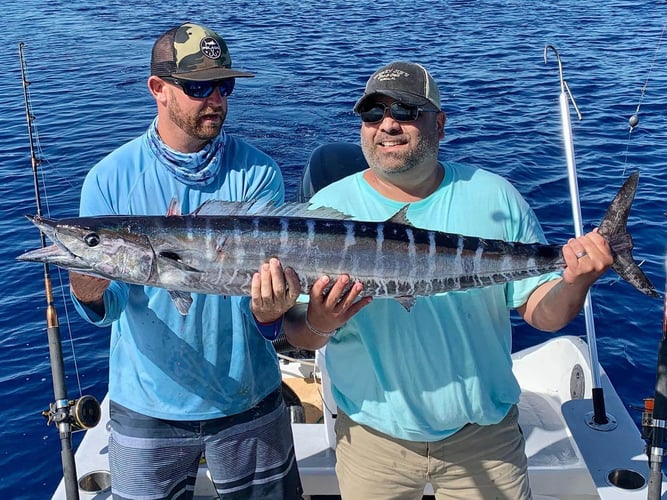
(208, 382)
(429, 395)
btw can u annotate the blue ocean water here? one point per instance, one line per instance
(88, 63)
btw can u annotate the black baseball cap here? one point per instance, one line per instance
(406, 82)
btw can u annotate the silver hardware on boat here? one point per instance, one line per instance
(564, 87)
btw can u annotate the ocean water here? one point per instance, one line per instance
(88, 62)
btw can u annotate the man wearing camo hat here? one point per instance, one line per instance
(206, 382)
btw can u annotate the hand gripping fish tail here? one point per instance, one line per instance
(614, 228)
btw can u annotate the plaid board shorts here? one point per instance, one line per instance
(249, 455)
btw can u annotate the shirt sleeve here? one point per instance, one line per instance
(115, 299)
(528, 230)
(93, 202)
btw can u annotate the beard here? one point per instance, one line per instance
(192, 124)
(400, 162)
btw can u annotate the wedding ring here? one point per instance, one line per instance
(581, 254)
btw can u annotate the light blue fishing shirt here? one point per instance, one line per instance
(212, 362)
(424, 374)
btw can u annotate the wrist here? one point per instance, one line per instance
(88, 290)
(270, 330)
(267, 323)
(89, 299)
(320, 333)
(94, 304)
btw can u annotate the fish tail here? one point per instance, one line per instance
(614, 228)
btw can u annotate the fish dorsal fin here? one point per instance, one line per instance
(174, 207)
(267, 209)
(327, 213)
(401, 217)
(230, 208)
(306, 210)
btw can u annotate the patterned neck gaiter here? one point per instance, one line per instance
(193, 169)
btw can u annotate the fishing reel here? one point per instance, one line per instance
(653, 432)
(81, 414)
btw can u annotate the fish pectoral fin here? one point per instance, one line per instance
(182, 301)
(407, 301)
(174, 259)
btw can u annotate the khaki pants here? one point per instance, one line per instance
(478, 462)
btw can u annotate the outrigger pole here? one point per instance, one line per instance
(67, 415)
(600, 419)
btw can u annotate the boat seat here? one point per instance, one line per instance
(329, 163)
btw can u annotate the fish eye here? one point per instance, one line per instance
(92, 239)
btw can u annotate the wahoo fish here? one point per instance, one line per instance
(217, 248)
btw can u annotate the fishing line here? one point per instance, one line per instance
(41, 162)
(633, 122)
(634, 119)
(653, 416)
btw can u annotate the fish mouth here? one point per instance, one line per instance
(46, 254)
(52, 254)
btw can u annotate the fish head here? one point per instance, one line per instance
(94, 246)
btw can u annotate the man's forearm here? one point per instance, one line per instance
(553, 305)
(89, 290)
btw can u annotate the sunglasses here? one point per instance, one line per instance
(400, 112)
(202, 90)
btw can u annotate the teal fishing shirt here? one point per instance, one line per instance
(212, 362)
(422, 375)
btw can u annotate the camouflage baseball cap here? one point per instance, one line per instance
(193, 52)
(406, 82)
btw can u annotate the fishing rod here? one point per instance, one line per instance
(600, 419)
(67, 415)
(654, 415)
(653, 419)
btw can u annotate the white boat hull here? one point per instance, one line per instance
(569, 457)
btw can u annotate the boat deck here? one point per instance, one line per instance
(569, 457)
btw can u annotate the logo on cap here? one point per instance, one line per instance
(210, 47)
(391, 74)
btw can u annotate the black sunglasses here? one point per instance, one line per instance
(202, 90)
(400, 112)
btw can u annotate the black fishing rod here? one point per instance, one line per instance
(654, 419)
(67, 415)
(654, 416)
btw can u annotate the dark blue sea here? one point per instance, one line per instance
(88, 63)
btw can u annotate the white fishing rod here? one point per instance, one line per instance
(600, 419)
